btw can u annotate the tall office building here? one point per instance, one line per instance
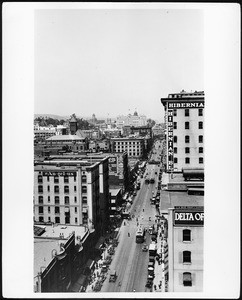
(184, 119)
(72, 192)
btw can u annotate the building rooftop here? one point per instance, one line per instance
(51, 239)
(114, 192)
(73, 119)
(65, 137)
(64, 230)
(43, 252)
(183, 199)
(42, 166)
(81, 134)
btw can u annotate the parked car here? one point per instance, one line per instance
(144, 248)
(113, 276)
(149, 283)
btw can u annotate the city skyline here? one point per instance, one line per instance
(112, 62)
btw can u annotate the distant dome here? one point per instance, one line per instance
(135, 113)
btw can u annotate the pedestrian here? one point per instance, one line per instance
(128, 234)
(143, 209)
(155, 287)
(137, 223)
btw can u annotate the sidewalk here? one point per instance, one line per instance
(98, 275)
(159, 279)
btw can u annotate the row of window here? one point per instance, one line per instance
(57, 199)
(57, 220)
(187, 112)
(130, 153)
(187, 150)
(187, 125)
(57, 210)
(126, 143)
(57, 189)
(56, 179)
(187, 139)
(187, 160)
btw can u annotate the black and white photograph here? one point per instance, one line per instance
(121, 180)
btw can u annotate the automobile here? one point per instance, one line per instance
(104, 268)
(151, 264)
(134, 193)
(144, 248)
(149, 283)
(113, 276)
(150, 229)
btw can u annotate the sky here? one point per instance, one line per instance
(112, 62)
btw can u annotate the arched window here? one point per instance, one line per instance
(187, 279)
(40, 188)
(40, 179)
(67, 200)
(187, 139)
(41, 199)
(84, 189)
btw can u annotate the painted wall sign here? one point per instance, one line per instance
(195, 218)
(194, 104)
(170, 164)
(57, 173)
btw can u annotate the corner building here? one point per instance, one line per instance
(72, 193)
(184, 120)
(185, 240)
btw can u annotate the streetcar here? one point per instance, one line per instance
(140, 235)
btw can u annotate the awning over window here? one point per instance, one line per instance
(187, 277)
(99, 243)
(81, 282)
(90, 264)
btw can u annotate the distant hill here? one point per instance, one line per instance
(62, 117)
(52, 116)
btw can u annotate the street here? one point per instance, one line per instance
(129, 261)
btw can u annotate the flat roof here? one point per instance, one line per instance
(50, 240)
(114, 192)
(65, 137)
(66, 230)
(183, 199)
(41, 166)
(43, 252)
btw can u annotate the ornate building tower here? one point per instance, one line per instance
(73, 124)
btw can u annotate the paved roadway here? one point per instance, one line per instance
(129, 261)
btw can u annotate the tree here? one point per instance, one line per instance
(150, 122)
